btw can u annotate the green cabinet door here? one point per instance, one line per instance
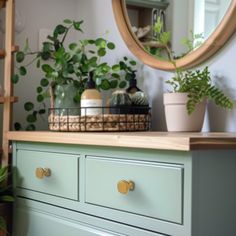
(64, 174)
(157, 192)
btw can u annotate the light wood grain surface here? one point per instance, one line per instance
(147, 140)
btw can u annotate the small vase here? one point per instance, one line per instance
(177, 117)
(63, 102)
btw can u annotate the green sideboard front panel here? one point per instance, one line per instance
(36, 223)
(157, 192)
(64, 179)
(176, 193)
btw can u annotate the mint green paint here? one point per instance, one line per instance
(64, 173)
(157, 193)
(168, 171)
(42, 224)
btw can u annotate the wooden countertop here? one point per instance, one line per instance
(148, 140)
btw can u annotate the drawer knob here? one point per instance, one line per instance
(124, 186)
(42, 172)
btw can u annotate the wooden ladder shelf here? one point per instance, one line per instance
(7, 99)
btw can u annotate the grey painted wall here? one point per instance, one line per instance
(98, 17)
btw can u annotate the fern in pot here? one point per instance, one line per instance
(185, 106)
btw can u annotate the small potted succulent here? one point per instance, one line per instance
(185, 105)
(132, 100)
(66, 69)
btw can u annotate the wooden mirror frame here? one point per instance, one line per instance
(218, 38)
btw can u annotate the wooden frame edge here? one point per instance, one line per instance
(213, 44)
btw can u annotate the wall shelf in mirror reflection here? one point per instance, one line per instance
(214, 25)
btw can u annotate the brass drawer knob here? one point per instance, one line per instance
(124, 186)
(42, 172)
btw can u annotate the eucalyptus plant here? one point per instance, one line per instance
(62, 65)
(197, 83)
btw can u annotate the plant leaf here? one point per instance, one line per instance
(15, 78)
(20, 56)
(111, 45)
(22, 71)
(29, 106)
(102, 52)
(67, 21)
(17, 126)
(122, 84)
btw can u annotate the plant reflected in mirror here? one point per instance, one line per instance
(184, 19)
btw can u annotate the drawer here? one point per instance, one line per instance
(63, 179)
(157, 193)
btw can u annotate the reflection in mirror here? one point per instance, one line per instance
(190, 22)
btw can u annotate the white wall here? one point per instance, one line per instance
(98, 17)
(36, 15)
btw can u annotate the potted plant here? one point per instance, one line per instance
(6, 199)
(185, 105)
(66, 69)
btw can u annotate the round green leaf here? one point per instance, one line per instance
(20, 56)
(44, 82)
(129, 76)
(105, 85)
(91, 41)
(17, 126)
(102, 52)
(47, 68)
(45, 56)
(31, 127)
(29, 106)
(122, 65)
(60, 29)
(115, 75)
(111, 45)
(47, 46)
(40, 98)
(42, 111)
(70, 68)
(67, 21)
(15, 78)
(122, 84)
(22, 71)
(72, 46)
(116, 67)
(133, 63)
(113, 84)
(100, 42)
(31, 118)
(39, 89)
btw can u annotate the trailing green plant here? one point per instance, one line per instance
(197, 83)
(62, 65)
(5, 192)
(128, 66)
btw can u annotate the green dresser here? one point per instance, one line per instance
(73, 190)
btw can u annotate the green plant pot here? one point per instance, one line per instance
(64, 103)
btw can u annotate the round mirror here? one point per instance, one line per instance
(194, 29)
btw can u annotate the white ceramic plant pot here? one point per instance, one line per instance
(177, 118)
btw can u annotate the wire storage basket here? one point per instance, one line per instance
(88, 119)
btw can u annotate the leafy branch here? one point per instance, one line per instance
(196, 83)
